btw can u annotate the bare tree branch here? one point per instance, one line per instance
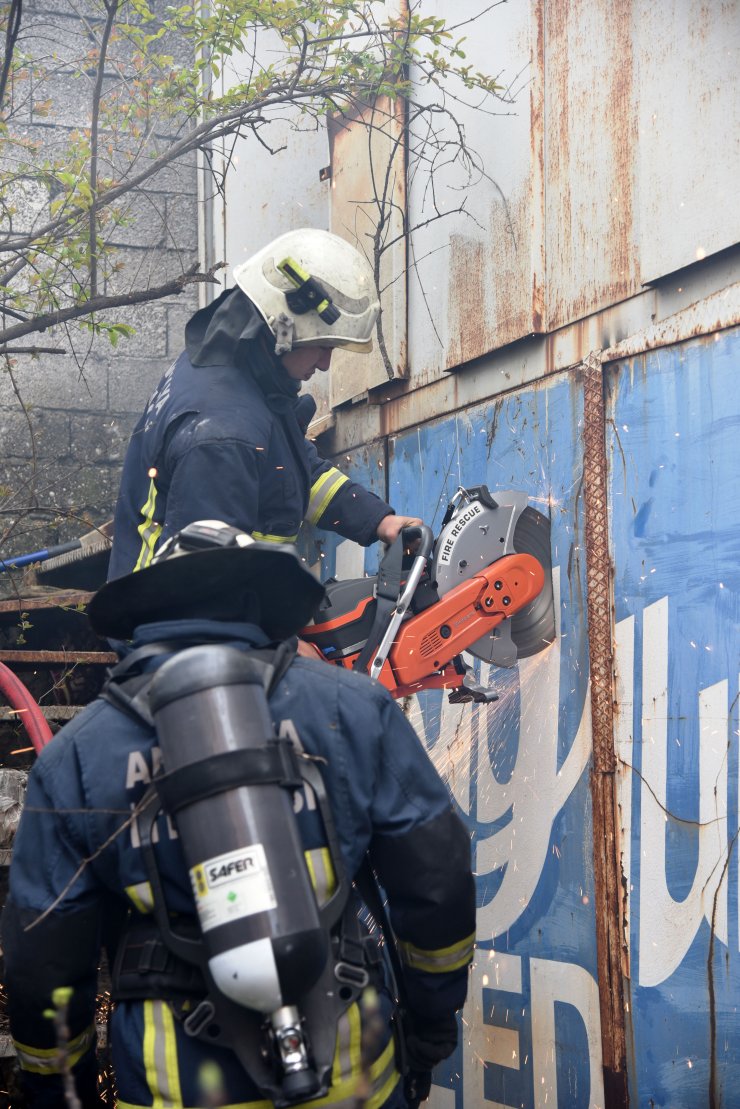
(12, 29)
(104, 303)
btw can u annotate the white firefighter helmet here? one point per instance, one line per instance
(312, 288)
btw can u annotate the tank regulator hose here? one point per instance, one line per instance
(29, 712)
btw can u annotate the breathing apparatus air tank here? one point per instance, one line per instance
(265, 945)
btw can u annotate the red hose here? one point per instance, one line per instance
(29, 712)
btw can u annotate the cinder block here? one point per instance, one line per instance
(145, 214)
(177, 317)
(147, 269)
(79, 491)
(53, 381)
(56, 40)
(48, 434)
(182, 222)
(132, 382)
(101, 439)
(149, 322)
(28, 205)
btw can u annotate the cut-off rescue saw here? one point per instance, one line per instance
(483, 586)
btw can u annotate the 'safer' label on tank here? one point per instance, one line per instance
(232, 886)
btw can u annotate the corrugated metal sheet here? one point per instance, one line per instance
(476, 276)
(674, 419)
(688, 149)
(368, 198)
(517, 771)
(590, 142)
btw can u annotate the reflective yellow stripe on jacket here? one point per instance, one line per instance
(264, 537)
(141, 896)
(148, 529)
(38, 1060)
(321, 873)
(160, 1055)
(441, 961)
(323, 490)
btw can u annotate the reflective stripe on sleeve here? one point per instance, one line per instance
(148, 529)
(323, 490)
(265, 538)
(47, 1060)
(441, 961)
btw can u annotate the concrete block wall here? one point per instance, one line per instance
(65, 419)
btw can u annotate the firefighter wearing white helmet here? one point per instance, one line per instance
(312, 288)
(224, 433)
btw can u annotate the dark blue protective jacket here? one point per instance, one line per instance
(223, 438)
(77, 863)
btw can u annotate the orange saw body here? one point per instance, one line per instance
(409, 626)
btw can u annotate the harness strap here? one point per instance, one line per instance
(274, 764)
(127, 688)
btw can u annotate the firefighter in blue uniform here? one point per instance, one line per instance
(77, 862)
(223, 435)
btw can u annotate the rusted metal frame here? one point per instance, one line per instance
(62, 601)
(607, 881)
(65, 658)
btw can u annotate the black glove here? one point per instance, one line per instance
(427, 1043)
(416, 1087)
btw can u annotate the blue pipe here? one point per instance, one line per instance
(38, 556)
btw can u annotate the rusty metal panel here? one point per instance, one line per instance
(591, 136)
(476, 276)
(689, 131)
(673, 425)
(368, 202)
(518, 772)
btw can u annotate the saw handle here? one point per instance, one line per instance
(424, 536)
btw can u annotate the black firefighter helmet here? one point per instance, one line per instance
(208, 563)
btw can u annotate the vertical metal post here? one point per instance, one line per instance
(607, 875)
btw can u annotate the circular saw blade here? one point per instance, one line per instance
(532, 629)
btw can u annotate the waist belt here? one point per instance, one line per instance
(145, 968)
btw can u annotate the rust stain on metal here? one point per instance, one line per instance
(368, 199)
(537, 158)
(609, 916)
(591, 139)
(468, 269)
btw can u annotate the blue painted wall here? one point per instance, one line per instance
(674, 444)
(517, 769)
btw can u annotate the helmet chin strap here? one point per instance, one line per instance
(284, 331)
